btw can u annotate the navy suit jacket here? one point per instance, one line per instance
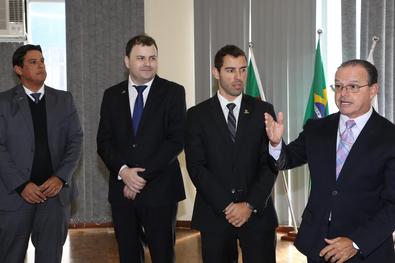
(223, 171)
(361, 202)
(155, 147)
(17, 142)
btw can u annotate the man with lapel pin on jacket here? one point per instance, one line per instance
(139, 138)
(40, 145)
(226, 151)
(350, 214)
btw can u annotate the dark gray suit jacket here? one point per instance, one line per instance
(17, 142)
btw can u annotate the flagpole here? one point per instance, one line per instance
(285, 185)
(289, 202)
(375, 39)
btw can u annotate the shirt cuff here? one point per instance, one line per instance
(122, 167)
(275, 151)
(355, 246)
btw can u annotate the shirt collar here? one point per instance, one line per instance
(29, 92)
(148, 84)
(225, 102)
(359, 121)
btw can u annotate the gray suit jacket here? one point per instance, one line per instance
(17, 142)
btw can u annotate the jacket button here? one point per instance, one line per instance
(133, 145)
(334, 193)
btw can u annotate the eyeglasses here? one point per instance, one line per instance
(353, 88)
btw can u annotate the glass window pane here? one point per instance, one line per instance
(47, 27)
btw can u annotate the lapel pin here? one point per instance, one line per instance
(123, 91)
(246, 111)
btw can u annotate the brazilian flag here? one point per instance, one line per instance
(317, 105)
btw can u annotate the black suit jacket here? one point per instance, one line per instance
(223, 171)
(155, 147)
(361, 201)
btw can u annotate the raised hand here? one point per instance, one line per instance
(274, 130)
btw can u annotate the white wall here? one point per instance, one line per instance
(170, 23)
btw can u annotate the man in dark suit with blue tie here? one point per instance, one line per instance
(226, 151)
(139, 138)
(40, 145)
(350, 214)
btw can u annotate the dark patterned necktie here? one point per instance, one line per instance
(231, 121)
(36, 97)
(138, 107)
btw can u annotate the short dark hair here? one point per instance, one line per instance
(20, 53)
(231, 50)
(369, 67)
(142, 39)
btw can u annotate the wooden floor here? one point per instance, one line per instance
(99, 246)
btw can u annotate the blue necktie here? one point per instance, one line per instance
(138, 107)
(36, 97)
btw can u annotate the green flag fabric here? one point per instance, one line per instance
(317, 105)
(254, 86)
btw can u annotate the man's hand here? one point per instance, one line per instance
(338, 250)
(128, 193)
(32, 194)
(237, 214)
(52, 186)
(132, 179)
(274, 130)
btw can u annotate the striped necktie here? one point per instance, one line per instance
(231, 121)
(346, 141)
(36, 97)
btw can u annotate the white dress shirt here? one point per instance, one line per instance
(133, 93)
(225, 109)
(132, 99)
(29, 92)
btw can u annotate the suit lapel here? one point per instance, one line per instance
(219, 120)
(124, 107)
(155, 97)
(243, 124)
(360, 146)
(329, 141)
(22, 106)
(50, 108)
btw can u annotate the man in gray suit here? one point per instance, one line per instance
(40, 145)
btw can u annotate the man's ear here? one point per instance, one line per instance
(215, 72)
(126, 60)
(374, 90)
(18, 70)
